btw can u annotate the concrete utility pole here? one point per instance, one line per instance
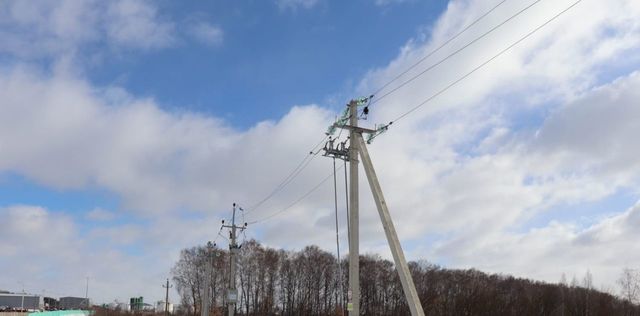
(353, 296)
(357, 147)
(207, 282)
(166, 298)
(86, 294)
(22, 300)
(232, 292)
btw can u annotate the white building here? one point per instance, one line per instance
(22, 301)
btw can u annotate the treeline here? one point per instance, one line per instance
(306, 282)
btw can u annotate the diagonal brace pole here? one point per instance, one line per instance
(408, 286)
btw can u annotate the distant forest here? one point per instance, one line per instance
(306, 282)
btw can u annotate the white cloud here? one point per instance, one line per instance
(296, 4)
(135, 23)
(157, 161)
(99, 214)
(54, 28)
(546, 253)
(47, 251)
(389, 2)
(206, 33)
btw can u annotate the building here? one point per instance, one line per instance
(51, 303)
(70, 302)
(22, 301)
(136, 303)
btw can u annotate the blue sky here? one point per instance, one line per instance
(127, 129)
(269, 57)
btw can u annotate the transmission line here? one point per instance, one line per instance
(429, 99)
(440, 47)
(292, 175)
(377, 99)
(296, 201)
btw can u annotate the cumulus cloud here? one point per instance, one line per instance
(137, 24)
(157, 161)
(389, 2)
(296, 4)
(207, 33)
(29, 29)
(49, 251)
(546, 253)
(99, 214)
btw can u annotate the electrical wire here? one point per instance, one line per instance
(292, 175)
(429, 99)
(440, 47)
(294, 203)
(218, 235)
(377, 99)
(335, 204)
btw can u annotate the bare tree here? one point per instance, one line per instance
(629, 282)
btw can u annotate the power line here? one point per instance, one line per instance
(296, 201)
(484, 63)
(335, 203)
(376, 100)
(292, 175)
(440, 47)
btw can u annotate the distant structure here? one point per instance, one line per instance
(148, 307)
(51, 303)
(22, 301)
(72, 302)
(136, 304)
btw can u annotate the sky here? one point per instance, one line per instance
(129, 127)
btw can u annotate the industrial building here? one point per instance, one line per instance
(70, 302)
(22, 301)
(136, 304)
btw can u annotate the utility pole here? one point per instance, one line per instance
(207, 282)
(166, 297)
(86, 294)
(22, 301)
(353, 295)
(232, 292)
(357, 147)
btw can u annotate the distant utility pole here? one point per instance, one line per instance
(232, 292)
(207, 281)
(166, 297)
(357, 147)
(22, 300)
(86, 294)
